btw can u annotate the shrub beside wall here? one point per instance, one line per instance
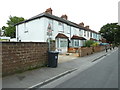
(22, 56)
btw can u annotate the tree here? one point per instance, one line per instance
(111, 32)
(0, 31)
(10, 29)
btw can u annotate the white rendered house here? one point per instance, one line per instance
(45, 26)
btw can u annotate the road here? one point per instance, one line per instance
(103, 74)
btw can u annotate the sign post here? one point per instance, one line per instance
(49, 33)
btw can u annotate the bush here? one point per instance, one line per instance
(95, 44)
(89, 43)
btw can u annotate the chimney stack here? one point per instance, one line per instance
(49, 10)
(64, 17)
(81, 24)
(87, 27)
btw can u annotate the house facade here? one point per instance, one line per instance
(46, 26)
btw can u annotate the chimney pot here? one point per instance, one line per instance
(81, 24)
(87, 27)
(64, 17)
(49, 10)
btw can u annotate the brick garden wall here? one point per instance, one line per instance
(22, 56)
(99, 48)
(83, 51)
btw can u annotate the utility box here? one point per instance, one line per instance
(52, 59)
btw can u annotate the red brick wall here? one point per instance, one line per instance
(22, 56)
(83, 51)
(99, 48)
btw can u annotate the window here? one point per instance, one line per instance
(61, 27)
(76, 43)
(68, 29)
(88, 33)
(80, 32)
(75, 31)
(63, 42)
(84, 33)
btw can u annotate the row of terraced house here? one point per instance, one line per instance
(46, 26)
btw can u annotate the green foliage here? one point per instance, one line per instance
(10, 29)
(95, 44)
(0, 31)
(88, 43)
(111, 32)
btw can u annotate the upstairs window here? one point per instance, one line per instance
(68, 29)
(88, 33)
(61, 27)
(84, 33)
(81, 32)
(75, 31)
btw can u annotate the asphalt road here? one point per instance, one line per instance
(103, 74)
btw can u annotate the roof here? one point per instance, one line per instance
(51, 17)
(93, 39)
(44, 14)
(60, 35)
(78, 38)
(100, 40)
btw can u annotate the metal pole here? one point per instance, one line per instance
(49, 42)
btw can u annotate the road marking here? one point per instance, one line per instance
(99, 57)
(51, 79)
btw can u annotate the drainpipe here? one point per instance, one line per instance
(69, 41)
(70, 32)
(17, 33)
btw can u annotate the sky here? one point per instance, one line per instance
(94, 13)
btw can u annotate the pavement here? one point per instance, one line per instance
(66, 64)
(103, 74)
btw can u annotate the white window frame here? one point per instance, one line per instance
(84, 33)
(61, 25)
(76, 43)
(87, 33)
(64, 42)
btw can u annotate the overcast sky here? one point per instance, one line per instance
(94, 13)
